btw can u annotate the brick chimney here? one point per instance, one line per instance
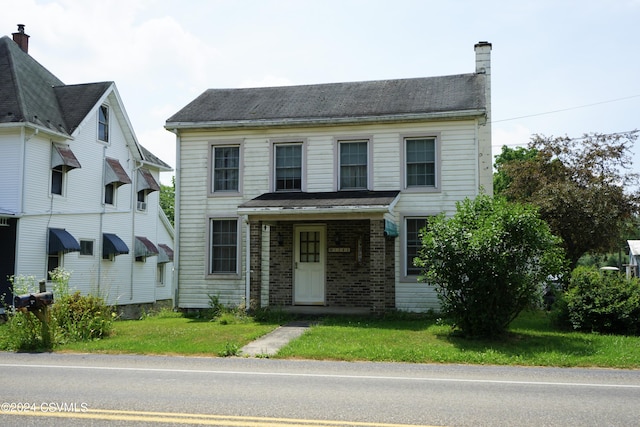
(21, 38)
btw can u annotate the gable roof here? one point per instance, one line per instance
(29, 93)
(336, 102)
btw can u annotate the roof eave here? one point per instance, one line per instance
(327, 121)
(37, 128)
(312, 210)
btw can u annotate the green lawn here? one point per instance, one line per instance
(531, 341)
(176, 336)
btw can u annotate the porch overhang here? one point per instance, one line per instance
(338, 204)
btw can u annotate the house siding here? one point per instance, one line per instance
(80, 211)
(11, 172)
(458, 179)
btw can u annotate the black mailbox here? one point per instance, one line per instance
(33, 301)
(43, 298)
(24, 301)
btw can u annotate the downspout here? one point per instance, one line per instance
(176, 225)
(102, 213)
(134, 207)
(247, 263)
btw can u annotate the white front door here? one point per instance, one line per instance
(309, 259)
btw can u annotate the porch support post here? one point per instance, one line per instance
(255, 255)
(377, 273)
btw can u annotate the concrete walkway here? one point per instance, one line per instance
(269, 344)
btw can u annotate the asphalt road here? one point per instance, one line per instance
(72, 389)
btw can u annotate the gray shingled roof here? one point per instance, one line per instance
(383, 98)
(29, 93)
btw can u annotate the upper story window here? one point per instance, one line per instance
(62, 161)
(225, 177)
(103, 123)
(353, 159)
(421, 162)
(288, 167)
(114, 176)
(110, 194)
(142, 201)
(57, 180)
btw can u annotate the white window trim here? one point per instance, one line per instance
(403, 163)
(211, 168)
(107, 141)
(115, 195)
(403, 244)
(160, 275)
(63, 184)
(93, 248)
(336, 160)
(272, 163)
(237, 274)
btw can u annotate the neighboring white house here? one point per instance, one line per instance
(78, 191)
(315, 195)
(634, 258)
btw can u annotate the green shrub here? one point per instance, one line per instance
(597, 301)
(24, 333)
(81, 317)
(488, 263)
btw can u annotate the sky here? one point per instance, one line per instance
(559, 67)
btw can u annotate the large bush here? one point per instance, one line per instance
(488, 263)
(597, 301)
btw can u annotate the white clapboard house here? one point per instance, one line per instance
(77, 189)
(314, 195)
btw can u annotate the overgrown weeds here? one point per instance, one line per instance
(71, 317)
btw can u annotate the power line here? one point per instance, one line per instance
(567, 109)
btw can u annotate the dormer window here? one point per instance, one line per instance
(103, 123)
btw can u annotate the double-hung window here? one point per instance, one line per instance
(103, 123)
(223, 253)
(57, 179)
(288, 167)
(353, 159)
(412, 226)
(226, 169)
(420, 162)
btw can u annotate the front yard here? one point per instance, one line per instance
(531, 341)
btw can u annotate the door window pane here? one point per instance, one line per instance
(309, 246)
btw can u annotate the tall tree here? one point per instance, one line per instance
(167, 199)
(583, 187)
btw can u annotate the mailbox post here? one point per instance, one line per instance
(38, 304)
